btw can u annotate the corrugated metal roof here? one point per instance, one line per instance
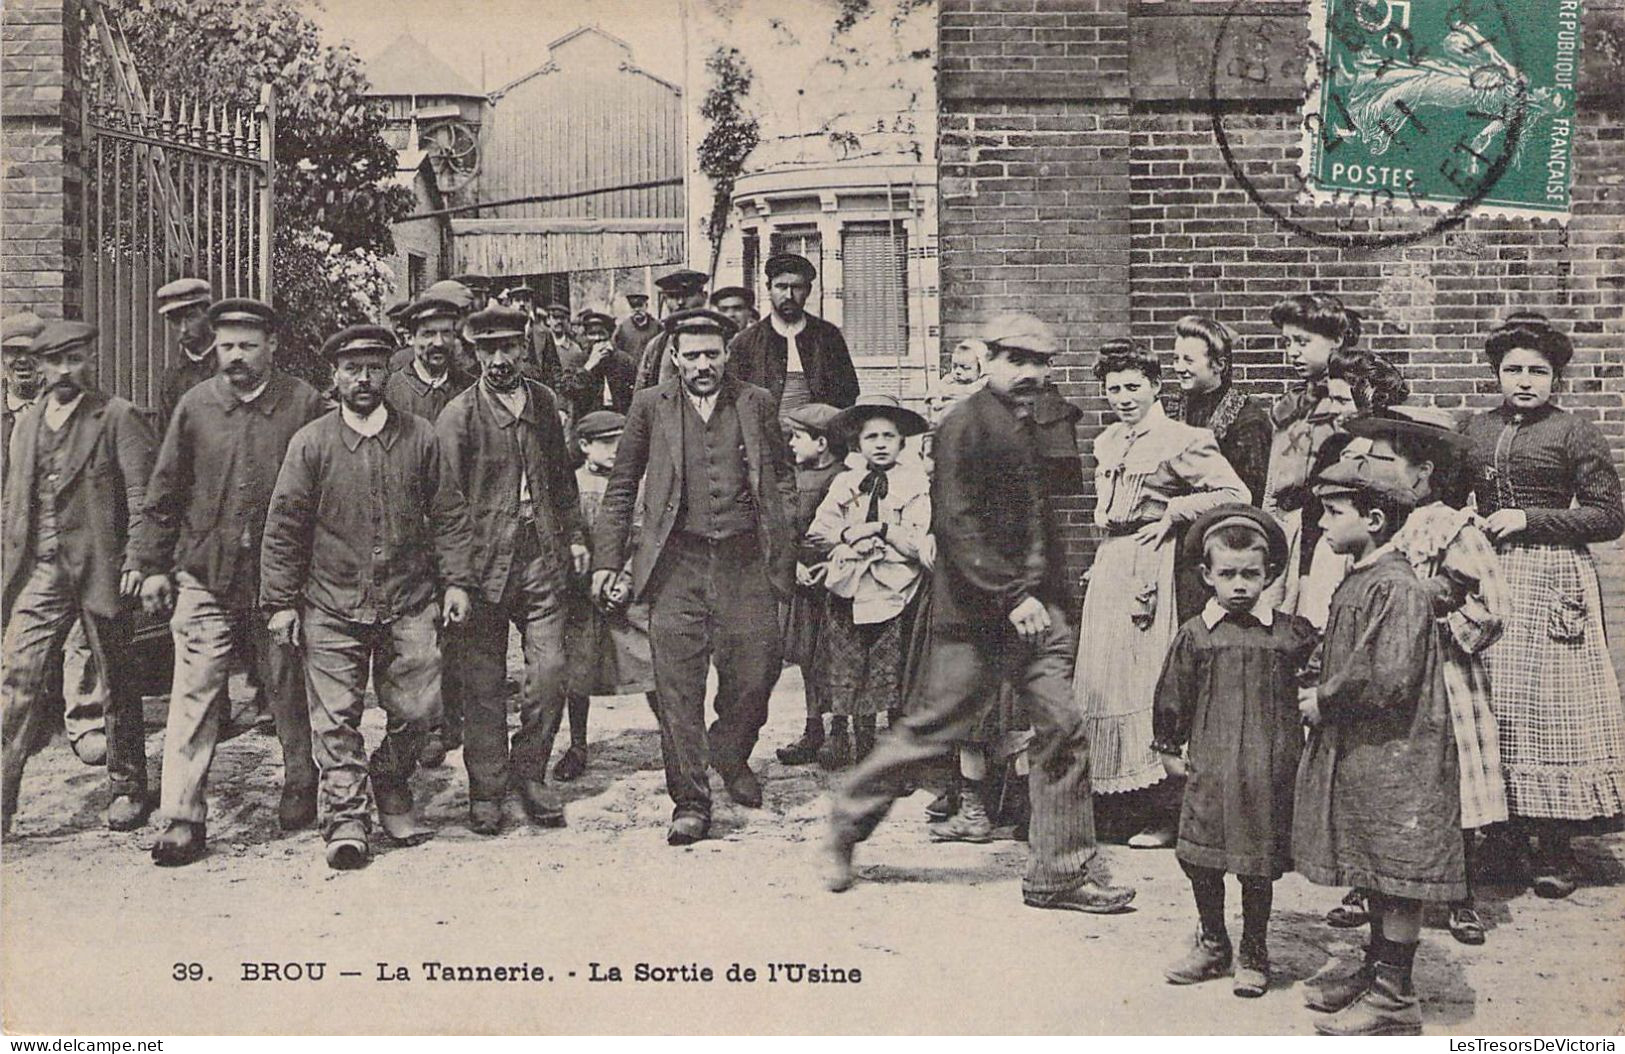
(408, 67)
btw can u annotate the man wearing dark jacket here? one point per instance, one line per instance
(995, 615)
(75, 488)
(367, 530)
(184, 306)
(600, 378)
(206, 505)
(714, 556)
(798, 357)
(426, 384)
(504, 446)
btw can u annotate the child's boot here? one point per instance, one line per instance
(1208, 959)
(804, 751)
(836, 753)
(1333, 994)
(1388, 1008)
(945, 804)
(1252, 972)
(969, 824)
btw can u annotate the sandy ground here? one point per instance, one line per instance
(93, 932)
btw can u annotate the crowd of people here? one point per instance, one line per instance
(1334, 633)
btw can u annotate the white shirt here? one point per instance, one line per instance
(57, 414)
(1215, 612)
(248, 397)
(16, 403)
(792, 358)
(432, 382)
(368, 426)
(704, 405)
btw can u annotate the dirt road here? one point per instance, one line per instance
(933, 939)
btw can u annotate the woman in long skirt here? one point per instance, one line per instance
(1153, 475)
(1548, 489)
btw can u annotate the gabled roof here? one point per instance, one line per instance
(552, 65)
(408, 67)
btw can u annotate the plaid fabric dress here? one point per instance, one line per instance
(1441, 541)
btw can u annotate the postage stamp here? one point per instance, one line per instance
(1437, 103)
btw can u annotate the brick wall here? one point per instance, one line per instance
(40, 150)
(1081, 180)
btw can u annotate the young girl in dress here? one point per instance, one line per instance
(1153, 475)
(875, 526)
(1547, 489)
(819, 453)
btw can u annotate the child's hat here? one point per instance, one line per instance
(907, 421)
(600, 424)
(1236, 514)
(1432, 427)
(813, 417)
(1360, 474)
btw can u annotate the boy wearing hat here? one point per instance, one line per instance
(199, 550)
(504, 447)
(366, 548)
(1228, 699)
(600, 379)
(607, 641)
(1377, 804)
(714, 556)
(184, 306)
(634, 332)
(75, 489)
(995, 614)
(426, 384)
(797, 356)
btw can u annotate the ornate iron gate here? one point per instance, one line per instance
(172, 188)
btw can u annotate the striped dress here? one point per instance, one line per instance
(1553, 687)
(1157, 468)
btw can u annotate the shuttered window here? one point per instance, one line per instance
(751, 264)
(874, 258)
(803, 241)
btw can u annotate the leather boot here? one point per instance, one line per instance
(1387, 1008)
(1208, 958)
(1335, 993)
(969, 824)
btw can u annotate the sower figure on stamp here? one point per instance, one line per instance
(206, 505)
(996, 616)
(713, 558)
(366, 527)
(74, 492)
(504, 445)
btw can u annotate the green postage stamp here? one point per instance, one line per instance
(1445, 104)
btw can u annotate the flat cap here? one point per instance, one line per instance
(497, 323)
(848, 421)
(683, 280)
(428, 307)
(17, 332)
(452, 290)
(790, 263)
(1236, 514)
(733, 292)
(1019, 331)
(1361, 474)
(181, 293)
(700, 320)
(397, 309)
(637, 298)
(519, 292)
(590, 319)
(353, 340)
(599, 424)
(556, 308)
(243, 311)
(62, 334)
(813, 417)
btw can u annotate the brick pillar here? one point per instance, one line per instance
(42, 191)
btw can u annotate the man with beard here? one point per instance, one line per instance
(366, 527)
(75, 488)
(798, 357)
(206, 505)
(426, 384)
(714, 554)
(504, 446)
(184, 306)
(634, 332)
(737, 304)
(995, 615)
(680, 290)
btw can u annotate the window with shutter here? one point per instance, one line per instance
(751, 262)
(874, 263)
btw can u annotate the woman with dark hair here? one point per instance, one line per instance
(1153, 475)
(1547, 489)
(1204, 351)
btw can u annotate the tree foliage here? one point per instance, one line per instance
(334, 202)
(731, 136)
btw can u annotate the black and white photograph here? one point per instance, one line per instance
(820, 518)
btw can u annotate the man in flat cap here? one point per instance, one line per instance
(634, 332)
(737, 304)
(366, 548)
(479, 285)
(713, 557)
(458, 295)
(504, 445)
(680, 290)
(996, 614)
(199, 549)
(426, 384)
(84, 697)
(798, 357)
(600, 379)
(75, 489)
(184, 306)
